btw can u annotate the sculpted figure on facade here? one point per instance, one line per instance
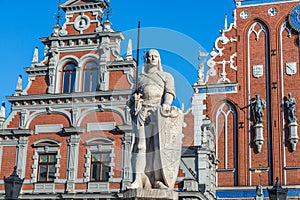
(257, 108)
(291, 108)
(156, 126)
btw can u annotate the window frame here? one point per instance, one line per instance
(90, 71)
(99, 145)
(101, 162)
(69, 78)
(47, 164)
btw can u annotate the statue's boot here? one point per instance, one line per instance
(160, 185)
(141, 181)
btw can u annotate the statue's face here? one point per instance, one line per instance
(152, 58)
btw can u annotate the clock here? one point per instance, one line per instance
(294, 18)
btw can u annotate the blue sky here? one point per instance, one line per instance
(177, 28)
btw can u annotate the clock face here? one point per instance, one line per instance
(294, 18)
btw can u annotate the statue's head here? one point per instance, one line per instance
(152, 59)
(290, 95)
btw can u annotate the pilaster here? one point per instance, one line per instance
(73, 151)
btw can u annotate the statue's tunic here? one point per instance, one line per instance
(153, 86)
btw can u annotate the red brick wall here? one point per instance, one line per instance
(38, 86)
(118, 80)
(8, 161)
(188, 131)
(15, 122)
(258, 56)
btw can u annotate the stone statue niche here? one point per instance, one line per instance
(292, 121)
(257, 106)
(157, 127)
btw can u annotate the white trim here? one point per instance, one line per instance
(35, 157)
(269, 3)
(101, 148)
(257, 34)
(59, 69)
(100, 126)
(289, 30)
(48, 128)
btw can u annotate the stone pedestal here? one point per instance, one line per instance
(293, 134)
(259, 137)
(150, 194)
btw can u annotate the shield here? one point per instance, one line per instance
(170, 141)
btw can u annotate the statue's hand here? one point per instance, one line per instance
(166, 107)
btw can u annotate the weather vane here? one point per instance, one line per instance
(108, 12)
(58, 15)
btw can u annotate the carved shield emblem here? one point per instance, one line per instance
(258, 71)
(170, 141)
(291, 68)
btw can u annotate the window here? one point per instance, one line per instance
(227, 143)
(46, 167)
(100, 166)
(69, 74)
(90, 77)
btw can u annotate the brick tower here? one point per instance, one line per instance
(69, 132)
(255, 59)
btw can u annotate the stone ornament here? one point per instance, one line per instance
(257, 71)
(82, 22)
(157, 127)
(291, 68)
(244, 14)
(272, 12)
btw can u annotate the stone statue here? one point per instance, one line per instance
(291, 107)
(201, 74)
(259, 193)
(157, 127)
(257, 108)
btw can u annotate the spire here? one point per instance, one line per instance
(2, 110)
(129, 50)
(35, 58)
(225, 23)
(58, 14)
(19, 89)
(2, 114)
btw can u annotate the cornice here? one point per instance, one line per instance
(82, 36)
(49, 100)
(15, 132)
(252, 3)
(117, 65)
(67, 96)
(72, 6)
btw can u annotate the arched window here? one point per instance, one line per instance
(90, 77)
(69, 74)
(226, 143)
